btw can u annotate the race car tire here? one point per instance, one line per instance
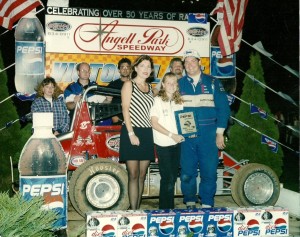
(99, 184)
(255, 185)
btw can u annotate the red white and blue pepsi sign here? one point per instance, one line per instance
(222, 67)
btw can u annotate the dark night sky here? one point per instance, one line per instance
(273, 22)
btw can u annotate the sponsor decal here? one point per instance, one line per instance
(58, 26)
(84, 124)
(113, 143)
(77, 161)
(197, 31)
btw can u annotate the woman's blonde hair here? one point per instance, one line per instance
(162, 93)
(45, 82)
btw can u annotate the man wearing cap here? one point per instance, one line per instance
(206, 97)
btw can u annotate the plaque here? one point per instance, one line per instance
(186, 123)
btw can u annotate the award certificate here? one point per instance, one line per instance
(186, 123)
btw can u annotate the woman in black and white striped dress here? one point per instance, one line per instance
(136, 139)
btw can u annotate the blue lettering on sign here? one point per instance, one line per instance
(95, 70)
(65, 72)
(109, 72)
(276, 231)
(248, 232)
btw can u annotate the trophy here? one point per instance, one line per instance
(186, 122)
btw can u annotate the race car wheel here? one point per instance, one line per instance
(255, 185)
(99, 184)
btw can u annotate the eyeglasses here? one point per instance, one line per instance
(85, 71)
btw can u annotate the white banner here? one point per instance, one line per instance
(72, 30)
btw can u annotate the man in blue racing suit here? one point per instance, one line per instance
(205, 96)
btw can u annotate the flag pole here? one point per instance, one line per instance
(244, 41)
(7, 98)
(255, 130)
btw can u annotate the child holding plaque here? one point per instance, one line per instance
(166, 138)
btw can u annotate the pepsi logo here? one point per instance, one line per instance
(195, 226)
(222, 66)
(280, 224)
(166, 228)
(138, 230)
(108, 231)
(224, 225)
(253, 224)
(225, 66)
(200, 17)
(52, 202)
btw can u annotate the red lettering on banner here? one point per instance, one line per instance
(115, 37)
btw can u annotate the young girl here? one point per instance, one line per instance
(50, 99)
(136, 139)
(166, 137)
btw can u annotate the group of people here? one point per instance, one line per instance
(149, 124)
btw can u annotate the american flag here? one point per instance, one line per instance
(12, 10)
(230, 15)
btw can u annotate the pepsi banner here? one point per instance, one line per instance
(222, 67)
(197, 18)
(205, 222)
(272, 144)
(54, 191)
(256, 110)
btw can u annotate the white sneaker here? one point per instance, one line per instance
(205, 206)
(190, 205)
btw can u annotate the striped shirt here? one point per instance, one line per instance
(140, 105)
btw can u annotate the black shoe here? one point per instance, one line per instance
(60, 233)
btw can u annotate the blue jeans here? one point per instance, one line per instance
(200, 152)
(168, 163)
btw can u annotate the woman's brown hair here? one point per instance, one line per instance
(47, 81)
(137, 62)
